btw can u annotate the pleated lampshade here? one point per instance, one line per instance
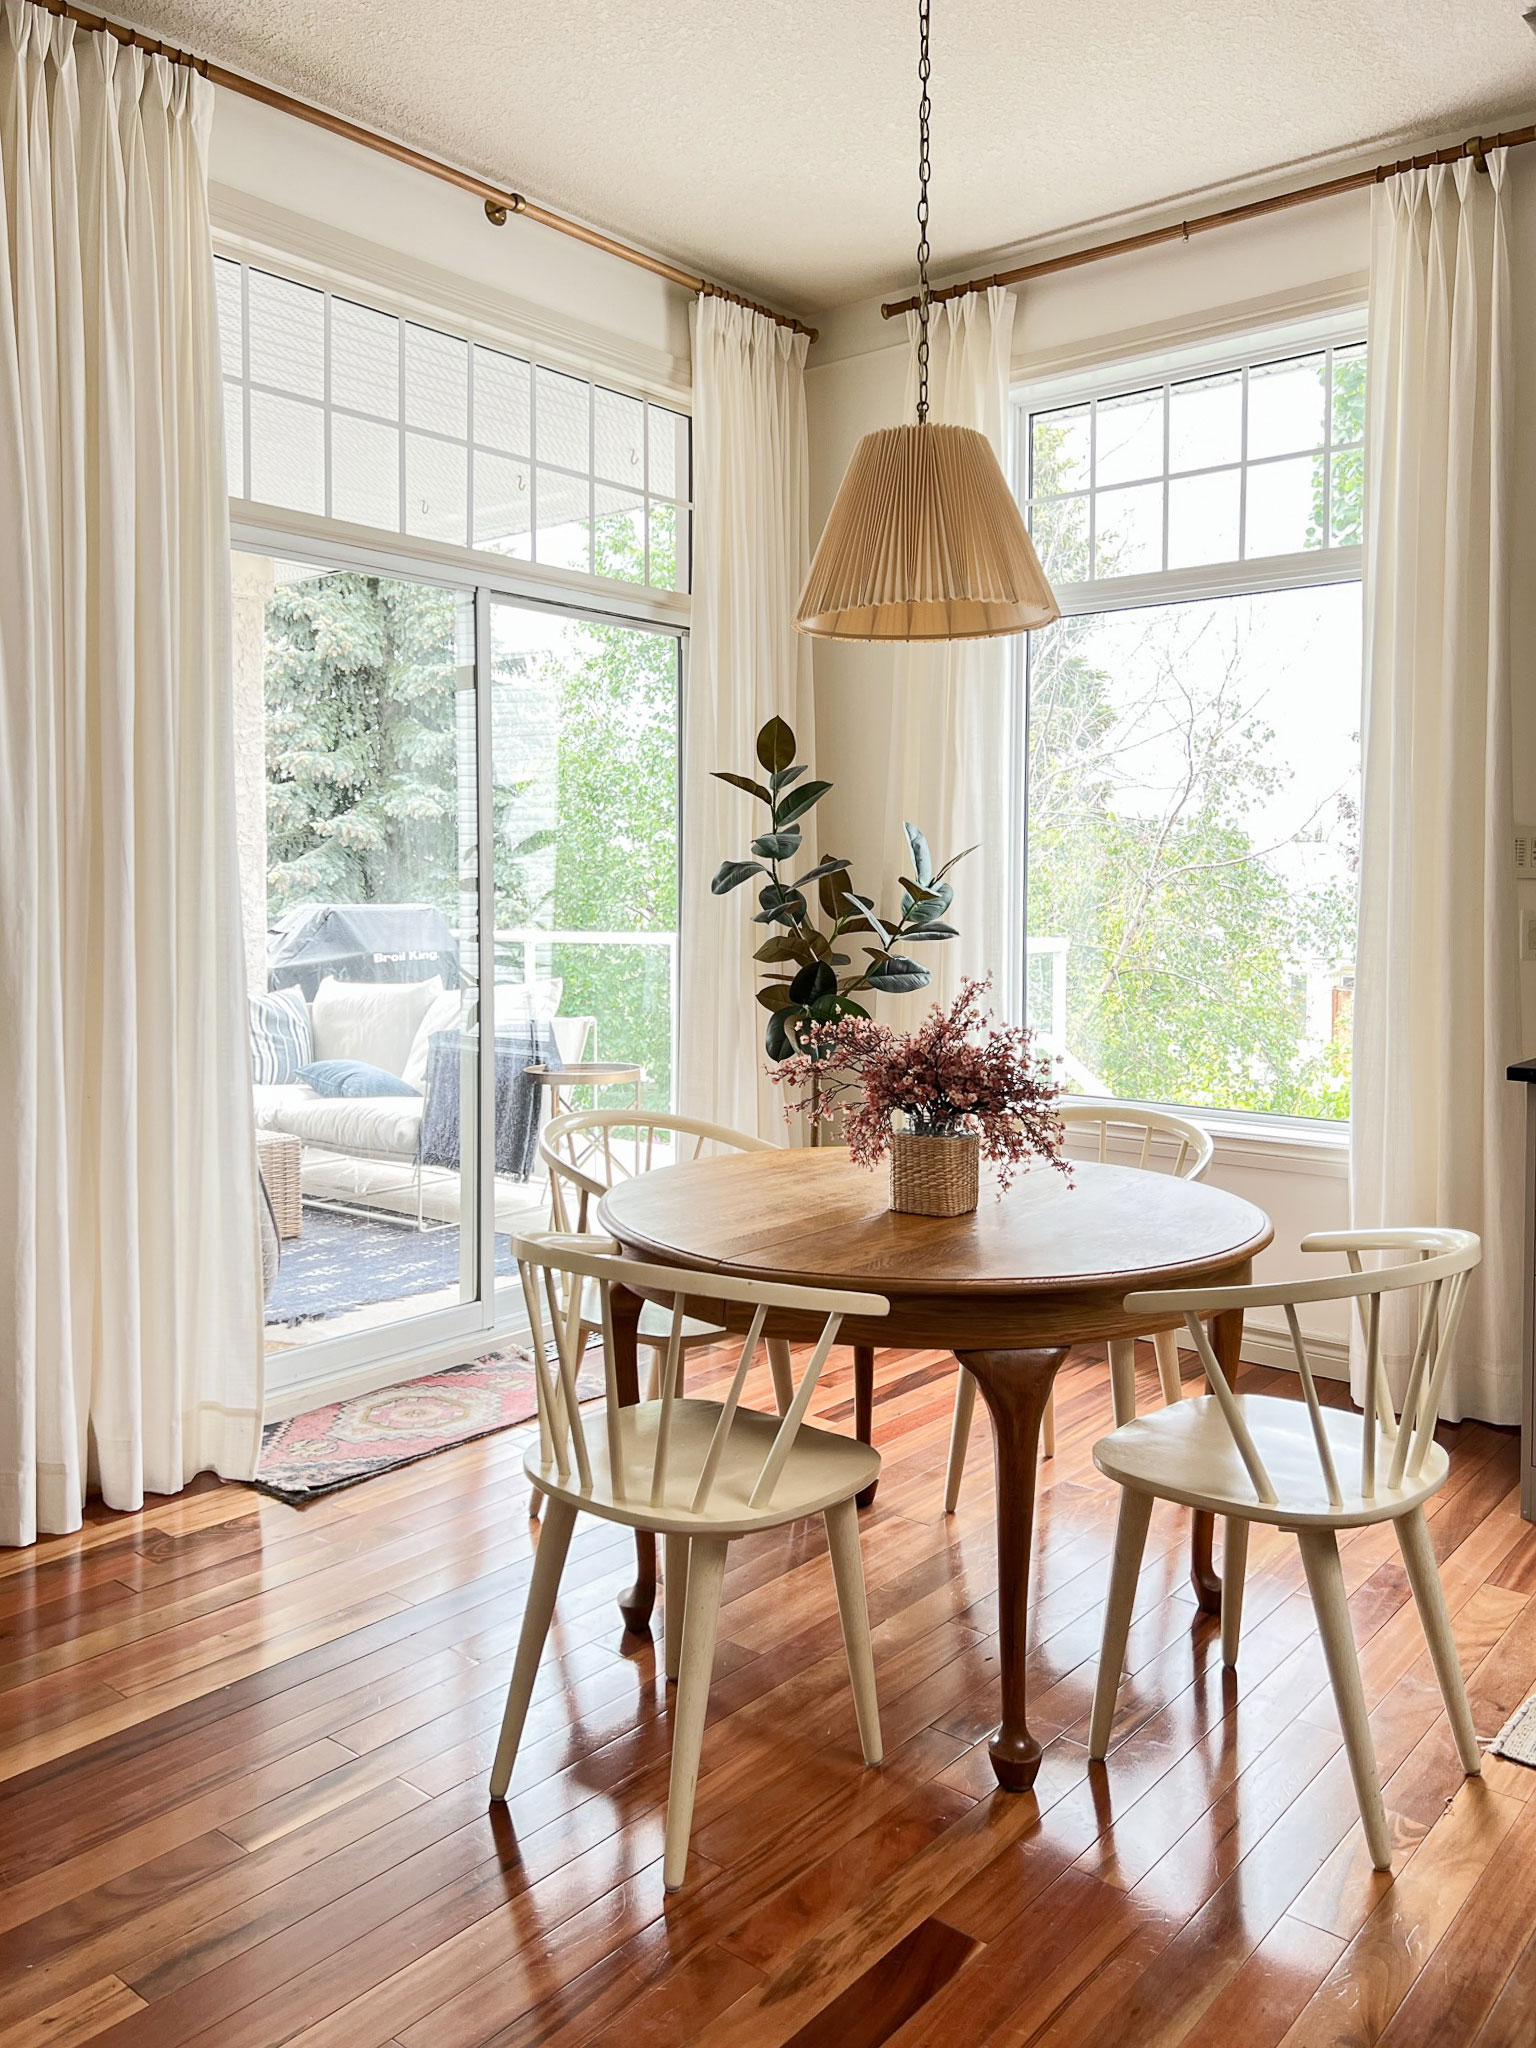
(925, 542)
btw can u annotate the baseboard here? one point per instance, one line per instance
(1328, 1358)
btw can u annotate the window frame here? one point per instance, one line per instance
(473, 334)
(1306, 1137)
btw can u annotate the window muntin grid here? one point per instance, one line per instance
(334, 408)
(1238, 465)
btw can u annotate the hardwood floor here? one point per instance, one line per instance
(245, 1751)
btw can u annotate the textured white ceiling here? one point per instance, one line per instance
(771, 144)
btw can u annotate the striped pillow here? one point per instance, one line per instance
(281, 1038)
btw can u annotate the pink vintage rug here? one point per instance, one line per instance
(348, 1441)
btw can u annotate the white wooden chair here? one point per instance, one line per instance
(1161, 1144)
(697, 1473)
(1314, 1470)
(583, 1158)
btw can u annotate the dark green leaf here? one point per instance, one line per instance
(775, 995)
(833, 865)
(775, 745)
(825, 1009)
(929, 931)
(799, 801)
(785, 776)
(776, 1040)
(831, 891)
(922, 859)
(896, 975)
(780, 904)
(785, 946)
(813, 982)
(743, 782)
(929, 905)
(954, 858)
(864, 910)
(778, 845)
(732, 873)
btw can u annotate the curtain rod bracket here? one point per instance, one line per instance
(496, 210)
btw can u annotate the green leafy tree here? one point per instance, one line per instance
(1181, 978)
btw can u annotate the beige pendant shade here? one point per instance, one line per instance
(925, 542)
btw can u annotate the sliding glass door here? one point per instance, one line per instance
(584, 761)
(418, 761)
(357, 732)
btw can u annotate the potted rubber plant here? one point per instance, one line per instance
(817, 925)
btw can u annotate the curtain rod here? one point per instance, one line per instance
(1477, 148)
(499, 204)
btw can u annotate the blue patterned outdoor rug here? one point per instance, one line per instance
(347, 1262)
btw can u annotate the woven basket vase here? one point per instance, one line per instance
(934, 1176)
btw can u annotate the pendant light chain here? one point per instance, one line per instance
(924, 70)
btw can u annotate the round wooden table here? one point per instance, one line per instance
(1009, 1290)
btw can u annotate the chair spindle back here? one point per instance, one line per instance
(1161, 1142)
(563, 1261)
(586, 1151)
(1437, 1269)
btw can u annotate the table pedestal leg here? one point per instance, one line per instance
(637, 1604)
(1227, 1343)
(864, 1407)
(1016, 1385)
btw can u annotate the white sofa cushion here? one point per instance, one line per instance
(375, 1021)
(271, 1100)
(371, 1126)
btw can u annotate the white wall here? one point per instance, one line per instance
(279, 183)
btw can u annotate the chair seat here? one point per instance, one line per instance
(1186, 1453)
(822, 1469)
(655, 1321)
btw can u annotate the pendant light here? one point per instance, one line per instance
(925, 541)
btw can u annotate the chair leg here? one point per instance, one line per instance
(1048, 1423)
(853, 1610)
(674, 1605)
(548, 1563)
(706, 1573)
(1166, 1345)
(1122, 1378)
(1130, 1540)
(959, 1438)
(783, 1373)
(1429, 1597)
(1234, 1563)
(1325, 1581)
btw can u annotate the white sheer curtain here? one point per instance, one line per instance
(130, 1319)
(746, 664)
(1434, 1130)
(952, 738)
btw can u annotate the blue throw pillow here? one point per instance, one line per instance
(352, 1077)
(281, 1038)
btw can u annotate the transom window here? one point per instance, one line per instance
(334, 408)
(1243, 464)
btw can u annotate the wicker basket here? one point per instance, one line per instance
(279, 1156)
(934, 1176)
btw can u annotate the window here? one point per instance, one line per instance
(336, 409)
(1193, 731)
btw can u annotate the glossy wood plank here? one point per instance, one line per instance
(284, 1837)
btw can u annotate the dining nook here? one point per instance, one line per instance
(767, 1004)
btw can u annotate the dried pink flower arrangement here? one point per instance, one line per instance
(946, 1082)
